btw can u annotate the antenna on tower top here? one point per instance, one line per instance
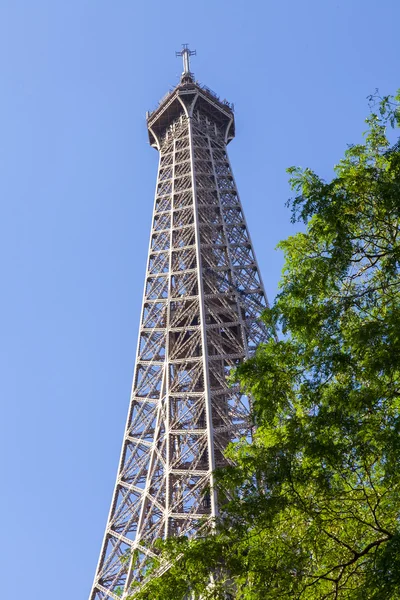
(186, 54)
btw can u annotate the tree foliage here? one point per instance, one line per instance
(313, 504)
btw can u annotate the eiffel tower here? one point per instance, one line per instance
(202, 299)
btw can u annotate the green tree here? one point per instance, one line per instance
(313, 503)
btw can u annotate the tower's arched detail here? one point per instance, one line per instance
(202, 300)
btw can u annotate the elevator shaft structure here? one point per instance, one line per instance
(202, 301)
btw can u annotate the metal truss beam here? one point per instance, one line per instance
(202, 300)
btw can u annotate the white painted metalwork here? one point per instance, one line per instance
(186, 54)
(202, 300)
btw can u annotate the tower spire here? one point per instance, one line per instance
(186, 54)
(202, 299)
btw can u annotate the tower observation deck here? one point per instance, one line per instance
(202, 299)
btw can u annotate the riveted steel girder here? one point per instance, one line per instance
(202, 299)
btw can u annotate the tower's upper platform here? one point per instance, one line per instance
(189, 95)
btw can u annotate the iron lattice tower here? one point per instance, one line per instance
(202, 299)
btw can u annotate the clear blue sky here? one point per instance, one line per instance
(76, 189)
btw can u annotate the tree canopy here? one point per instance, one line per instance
(312, 504)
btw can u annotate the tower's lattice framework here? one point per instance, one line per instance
(200, 317)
